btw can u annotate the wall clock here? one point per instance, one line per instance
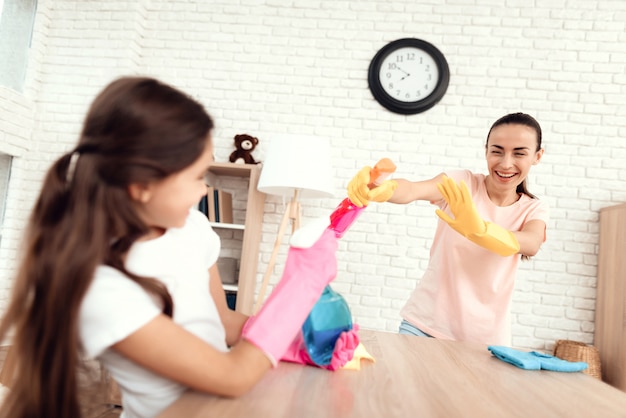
(408, 76)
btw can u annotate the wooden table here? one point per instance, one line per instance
(414, 377)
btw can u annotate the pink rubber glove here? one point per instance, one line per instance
(307, 272)
(342, 353)
(347, 342)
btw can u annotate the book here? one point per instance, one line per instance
(203, 205)
(211, 203)
(216, 202)
(225, 206)
(219, 205)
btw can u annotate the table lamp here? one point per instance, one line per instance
(298, 167)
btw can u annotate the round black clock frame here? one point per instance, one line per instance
(408, 107)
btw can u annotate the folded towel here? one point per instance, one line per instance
(535, 360)
(517, 358)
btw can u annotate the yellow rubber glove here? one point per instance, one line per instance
(468, 222)
(361, 195)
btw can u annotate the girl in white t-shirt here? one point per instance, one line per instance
(487, 224)
(117, 266)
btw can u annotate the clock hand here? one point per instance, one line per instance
(406, 74)
(402, 70)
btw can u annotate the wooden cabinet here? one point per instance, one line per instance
(610, 325)
(241, 238)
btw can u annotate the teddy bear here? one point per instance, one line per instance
(244, 145)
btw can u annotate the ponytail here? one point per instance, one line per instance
(46, 298)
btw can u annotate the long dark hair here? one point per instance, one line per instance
(519, 119)
(137, 130)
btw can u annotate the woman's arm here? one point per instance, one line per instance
(170, 351)
(531, 237)
(410, 191)
(394, 191)
(233, 321)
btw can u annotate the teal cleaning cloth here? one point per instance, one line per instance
(534, 360)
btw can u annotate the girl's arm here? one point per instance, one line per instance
(170, 351)
(233, 321)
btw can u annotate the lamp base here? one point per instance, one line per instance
(292, 213)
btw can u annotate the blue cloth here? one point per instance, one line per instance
(534, 360)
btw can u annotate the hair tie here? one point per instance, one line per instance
(71, 167)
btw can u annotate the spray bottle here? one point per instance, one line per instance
(346, 213)
(331, 315)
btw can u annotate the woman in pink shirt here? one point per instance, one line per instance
(487, 224)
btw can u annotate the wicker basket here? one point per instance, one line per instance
(577, 351)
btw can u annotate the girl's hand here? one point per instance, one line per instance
(342, 352)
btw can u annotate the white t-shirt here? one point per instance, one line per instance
(115, 307)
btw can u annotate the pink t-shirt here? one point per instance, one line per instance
(466, 291)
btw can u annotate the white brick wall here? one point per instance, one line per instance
(265, 68)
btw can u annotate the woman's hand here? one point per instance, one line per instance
(361, 195)
(466, 220)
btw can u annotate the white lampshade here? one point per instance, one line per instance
(297, 162)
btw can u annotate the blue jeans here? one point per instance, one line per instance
(407, 328)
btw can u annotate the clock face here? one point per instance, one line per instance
(408, 76)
